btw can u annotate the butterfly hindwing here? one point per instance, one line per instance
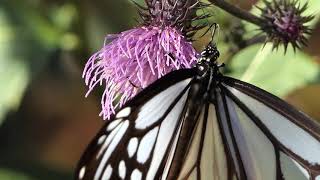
(207, 156)
(274, 140)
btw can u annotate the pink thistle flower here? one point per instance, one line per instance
(133, 60)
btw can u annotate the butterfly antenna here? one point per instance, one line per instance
(209, 29)
(215, 30)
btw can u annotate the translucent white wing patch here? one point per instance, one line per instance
(271, 145)
(206, 157)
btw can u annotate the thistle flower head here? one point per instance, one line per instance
(133, 60)
(174, 13)
(285, 23)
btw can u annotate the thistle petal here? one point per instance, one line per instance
(133, 60)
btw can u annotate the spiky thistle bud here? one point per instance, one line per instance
(285, 23)
(133, 59)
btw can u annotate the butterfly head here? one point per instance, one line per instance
(208, 59)
(210, 54)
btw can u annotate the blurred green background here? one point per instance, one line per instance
(45, 121)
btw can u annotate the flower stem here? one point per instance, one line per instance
(237, 12)
(256, 40)
(255, 64)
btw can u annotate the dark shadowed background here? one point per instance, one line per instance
(45, 121)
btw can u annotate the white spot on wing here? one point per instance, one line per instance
(132, 146)
(136, 175)
(113, 124)
(107, 173)
(172, 152)
(146, 145)
(113, 144)
(124, 112)
(82, 172)
(122, 169)
(291, 169)
(101, 139)
(158, 105)
(166, 131)
(107, 141)
(304, 171)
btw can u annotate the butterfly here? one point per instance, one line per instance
(197, 124)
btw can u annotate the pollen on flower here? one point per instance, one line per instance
(132, 60)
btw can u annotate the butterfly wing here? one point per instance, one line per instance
(266, 137)
(140, 142)
(207, 156)
(174, 129)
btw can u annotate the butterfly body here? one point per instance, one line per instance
(198, 124)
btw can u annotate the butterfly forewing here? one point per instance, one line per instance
(138, 140)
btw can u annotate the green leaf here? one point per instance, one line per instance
(14, 73)
(12, 175)
(14, 78)
(274, 71)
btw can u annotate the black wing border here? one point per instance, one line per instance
(158, 86)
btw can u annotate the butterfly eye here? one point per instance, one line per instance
(215, 54)
(204, 53)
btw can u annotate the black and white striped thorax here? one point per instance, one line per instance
(207, 63)
(208, 70)
(198, 124)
